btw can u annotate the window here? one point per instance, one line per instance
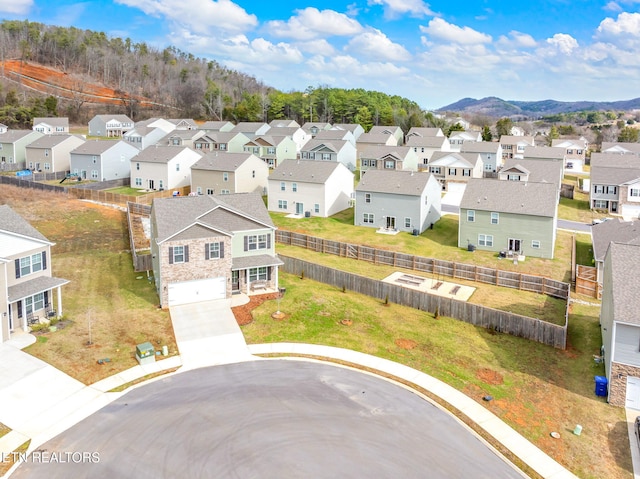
(160, 184)
(535, 244)
(177, 166)
(367, 197)
(312, 156)
(94, 174)
(178, 254)
(326, 156)
(282, 186)
(199, 190)
(598, 189)
(294, 187)
(390, 164)
(253, 174)
(316, 208)
(282, 204)
(407, 222)
(495, 218)
(137, 166)
(452, 172)
(225, 176)
(612, 190)
(256, 242)
(471, 216)
(31, 264)
(94, 159)
(466, 172)
(435, 170)
(485, 240)
(223, 146)
(214, 250)
(224, 192)
(46, 152)
(367, 218)
(138, 181)
(47, 166)
(513, 177)
(34, 303)
(271, 150)
(634, 192)
(256, 274)
(210, 191)
(601, 204)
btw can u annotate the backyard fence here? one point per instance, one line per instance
(141, 262)
(586, 282)
(479, 274)
(499, 321)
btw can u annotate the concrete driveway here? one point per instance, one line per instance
(207, 333)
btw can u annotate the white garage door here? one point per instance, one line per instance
(197, 290)
(633, 393)
(630, 212)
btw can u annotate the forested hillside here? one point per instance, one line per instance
(175, 83)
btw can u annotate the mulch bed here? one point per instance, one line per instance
(243, 313)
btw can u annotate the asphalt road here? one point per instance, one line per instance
(263, 419)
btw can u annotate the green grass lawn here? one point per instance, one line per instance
(127, 190)
(537, 389)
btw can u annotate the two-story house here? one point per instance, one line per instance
(377, 157)
(209, 247)
(149, 132)
(51, 125)
(225, 173)
(453, 170)
(251, 129)
(111, 126)
(379, 138)
(51, 153)
(273, 149)
(182, 138)
(513, 145)
(341, 151)
(575, 150)
(310, 188)
(536, 171)
(102, 160)
(163, 167)
(426, 146)
(394, 131)
(13, 146)
(458, 138)
(615, 183)
(513, 217)
(604, 233)
(223, 141)
(393, 201)
(29, 293)
(490, 153)
(355, 128)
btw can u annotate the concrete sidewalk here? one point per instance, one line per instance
(494, 426)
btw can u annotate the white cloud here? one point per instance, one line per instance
(312, 23)
(626, 24)
(16, 7)
(613, 7)
(318, 46)
(441, 30)
(517, 40)
(376, 45)
(396, 8)
(560, 42)
(200, 16)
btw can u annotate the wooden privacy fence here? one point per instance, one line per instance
(438, 267)
(141, 262)
(586, 282)
(501, 321)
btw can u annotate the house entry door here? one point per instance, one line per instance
(391, 222)
(299, 208)
(514, 244)
(235, 281)
(151, 184)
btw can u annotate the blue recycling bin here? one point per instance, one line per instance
(601, 386)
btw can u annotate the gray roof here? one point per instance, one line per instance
(221, 161)
(49, 141)
(544, 152)
(514, 140)
(539, 171)
(224, 213)
(381, 151)
(333, 145)
(517, 197)
(159, 153)
(425, 131)
(305, 171)
(630, 147)
(614, 168)
(34, 286)
(380, 138)
(385, 129)
(53, 121)
(613, 230)
(615, 160)
(471, 158)
(426, 141)
(220, 137)
(12, 222)
(480, 147)
(216, 125)
(255, 261)
(399, 182)
(11, 136)
(94, 147)
(119, 117)
(625, 282)
(284, 124)
(249, 127)
(333, 135)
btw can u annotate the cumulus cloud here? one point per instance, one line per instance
(397, 8)
(441, 30)
(312, 23)
(374, 44)
(199, 15)
(16, 7)
(626, 24)
(517, 39)
(318, 46)
(561, 42)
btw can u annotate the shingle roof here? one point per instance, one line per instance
(426, 141)
(333, 145)
(94, 147)
(12, 222)
(380, 151)
(620, 146)
(53, 121)
(49, 141)
(625, 264)
(11, 136)
(516, 140)
(480, 147)
(615, 160)
(544, 152)
(224, 213)
(159, 153)
(380, 138)
(539, 171)
(120, 118)
(517, 197)
(305, 171)
(447, 158)
(398, 182)
(614, 230)
(425, 131)
(221, 161)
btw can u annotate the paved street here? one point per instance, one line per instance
(269, 418)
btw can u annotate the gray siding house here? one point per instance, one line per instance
(225, 173)
(514, 217)
(112, 126)
(615, 183)
(13, 146)
(102, 160)
(394, 201)
(51, 153)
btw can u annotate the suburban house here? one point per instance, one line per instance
(184, 124)
(3, 128)
(546, 153)
(251, 129)
(111, 126)
(272, 149)
(490, 153)
(310, 188)
(223, 125)
(513, 145)
(393, 201)
(423, 132)
(51, 126)
(355, 128)
(226, 173)
(602, 234)
(620, 147)
(13, 146)
(620, 324)
(147, 133)
(394, 131)
(52, 153)
(511, 217)
(313, 128)
(163, 167)
(336, 134)
(457, 138)
(453, 169)
(426, 146)
(102, 160)
(27, 286)
(231, 142)
(297, 134)
(377, 157)
(284, 123)
(379, 138)
(615, 184)
(575, 152)
(341, 151)
(536, 171)
(182, 138)
(209, 247)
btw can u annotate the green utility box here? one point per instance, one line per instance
(145, 353)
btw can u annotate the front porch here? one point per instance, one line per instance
(253, 275)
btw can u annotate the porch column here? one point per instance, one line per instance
(59, 288)
(277, 283)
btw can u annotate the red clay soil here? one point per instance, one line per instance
(55, 82)
(243, 313)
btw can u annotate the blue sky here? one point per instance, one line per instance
(433, 53)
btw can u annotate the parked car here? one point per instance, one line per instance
(597, 221)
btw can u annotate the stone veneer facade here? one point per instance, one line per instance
(198, 267)
(618, 386)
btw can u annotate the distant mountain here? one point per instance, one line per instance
(497, 107)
